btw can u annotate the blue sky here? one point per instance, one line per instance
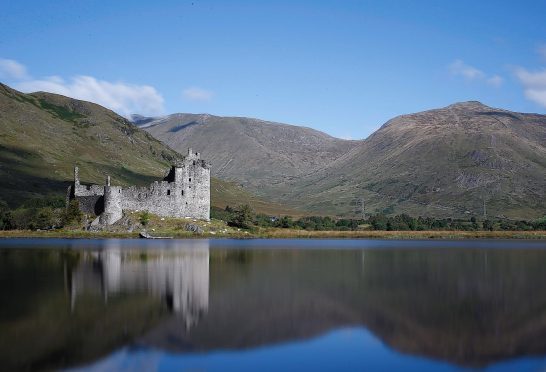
(344, 67)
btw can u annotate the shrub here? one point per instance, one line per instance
(221, 214)
(5, 216)
(72, 214)
(285, 222)
(144, 218)
(44, 219)
(22, 218)
(242, 217)
(488, 225)
(263, 220)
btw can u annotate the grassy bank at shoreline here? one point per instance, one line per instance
(282, 234)
(184, 228)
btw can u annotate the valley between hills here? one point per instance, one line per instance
(448, 162)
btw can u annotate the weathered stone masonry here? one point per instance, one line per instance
(184, 192)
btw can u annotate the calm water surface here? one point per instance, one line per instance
(272, 305)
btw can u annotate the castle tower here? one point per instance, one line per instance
(191, 178)
(112, 204)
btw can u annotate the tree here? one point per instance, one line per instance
(72, 214)
(488, 225)
(285, 222)
(474, 223)
(242, 217)
(5, 216)
(44, 219)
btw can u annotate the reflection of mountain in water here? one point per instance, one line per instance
(470, 307)
(180, 276)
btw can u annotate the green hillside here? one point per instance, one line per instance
(43, 136)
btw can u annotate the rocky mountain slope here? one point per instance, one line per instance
(445, 162)
(449, 162)
(43, 136)
(262, 156)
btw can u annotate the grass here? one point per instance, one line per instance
(61, 112)
(372, 234)
(224, 193)
(175, 227)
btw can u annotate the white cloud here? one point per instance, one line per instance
(459, 68)
(197, 94)
(471, 73)
(531, 79)
(12, 70)
(534, 84)
(495, 80)
(125, 99)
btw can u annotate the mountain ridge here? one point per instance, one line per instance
(487, 151)
(482, 150)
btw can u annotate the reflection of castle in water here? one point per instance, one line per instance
(177, 274)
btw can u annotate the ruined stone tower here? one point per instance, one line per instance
(184, 192)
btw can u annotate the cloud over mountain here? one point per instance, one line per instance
(11, 69)
(121, 97)
(534, 84)
(118, 96)
(471, 73)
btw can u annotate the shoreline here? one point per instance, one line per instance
(284, 234)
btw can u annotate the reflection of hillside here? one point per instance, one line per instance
(471, 307)
(38, 330)
(465, 306)
(180, 276)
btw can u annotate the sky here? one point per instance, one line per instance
(342, 67)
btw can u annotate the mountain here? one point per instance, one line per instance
(260, 155)
(444, 162)
(43, 136)
(450, 162)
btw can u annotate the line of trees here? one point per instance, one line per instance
(52, 213)
(244, 217)
(40, 214)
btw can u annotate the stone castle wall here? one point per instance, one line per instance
(90, 198)
(185, 192)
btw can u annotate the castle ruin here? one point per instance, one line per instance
(184, 192)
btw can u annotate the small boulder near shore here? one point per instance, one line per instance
(193, 228)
